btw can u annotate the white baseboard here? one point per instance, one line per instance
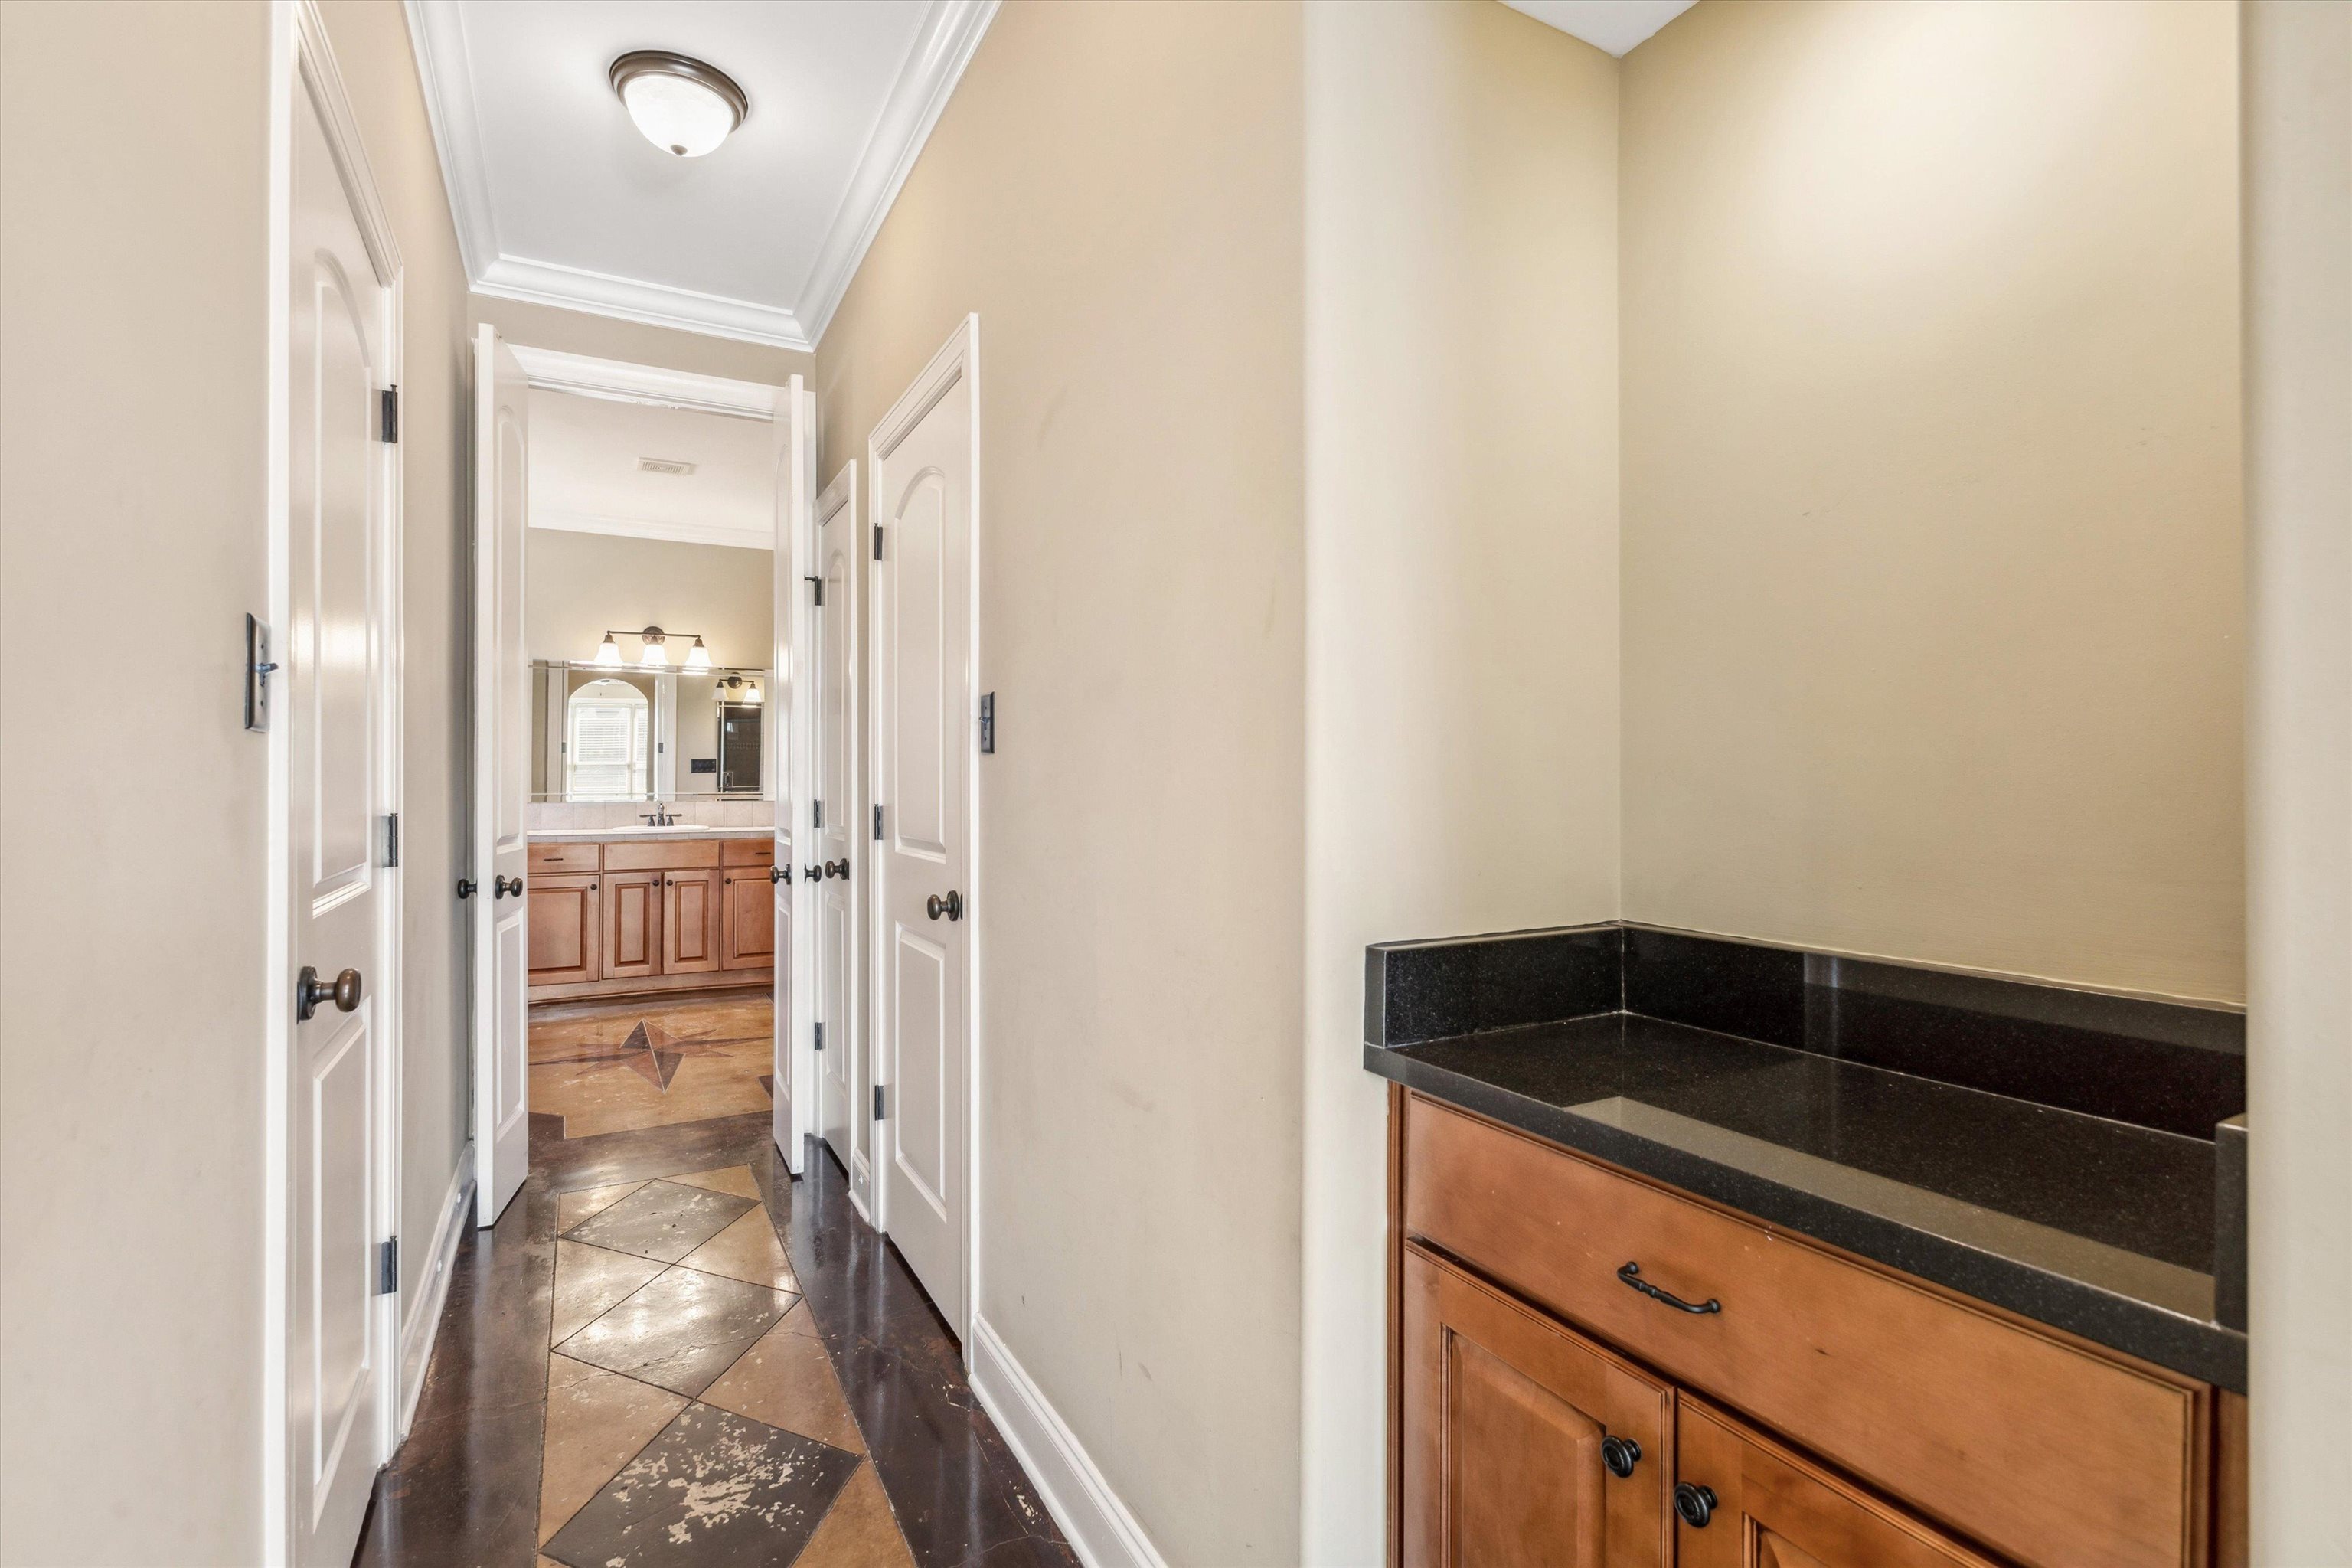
(423, 1319)
(1097, 1523)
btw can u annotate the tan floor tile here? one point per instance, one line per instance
(736, 1179)
(786, 1380)
(570, 1208)
(859, 1531)
(746, 1251)
(590, 1281)
(597, 1422)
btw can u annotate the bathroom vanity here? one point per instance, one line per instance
(1717, 1254)
(626, 911)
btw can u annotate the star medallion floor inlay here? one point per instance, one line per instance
(610, 1067)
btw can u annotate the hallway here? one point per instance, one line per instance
(633, 1369)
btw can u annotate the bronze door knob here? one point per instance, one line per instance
(344, 991)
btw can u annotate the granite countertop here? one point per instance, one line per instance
(2100, 1227)
(681, 830)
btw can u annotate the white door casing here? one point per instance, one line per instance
(501, 779)
(835, 767)
(334, 547)
(790, 719)
(922, 461)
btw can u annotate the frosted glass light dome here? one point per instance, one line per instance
(684, 107)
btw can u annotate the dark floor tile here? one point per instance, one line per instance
(661, 1219)
(463, 1488)
(714, 1491)
(681, 1331)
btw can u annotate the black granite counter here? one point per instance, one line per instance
(2089, 1224)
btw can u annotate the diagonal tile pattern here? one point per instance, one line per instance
(680, 1332)
(661, 1219)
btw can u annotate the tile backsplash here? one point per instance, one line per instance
(547, 815)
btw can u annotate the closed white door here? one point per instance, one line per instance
(921, 464)
(790, 1076)
(501, 780)
(339, 493)
(838, 840)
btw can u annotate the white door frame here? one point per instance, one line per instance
(840, 497)
(795, 1067)
(302, 61)
(958, 358)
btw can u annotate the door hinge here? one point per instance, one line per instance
(878, 1102)
(820, 1036)
(816, 814)
(816, 586)
(988, 724)
(387, 1266)
(878, 541)
(877, 825)
(390, 403)
(390, 839)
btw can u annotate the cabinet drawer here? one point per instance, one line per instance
(662, 855)
(747, 852)
(567, 855)
(2049, 1453)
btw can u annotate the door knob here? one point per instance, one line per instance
(501, 886)
(1694, 1504)
(309, 990)
(811, 874)
(465, 887)
(951, 905)
(1620, 1454)
(780, 874)
(838, 868)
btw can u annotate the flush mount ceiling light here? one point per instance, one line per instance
(683, 106)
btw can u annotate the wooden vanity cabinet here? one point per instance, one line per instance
(627, 916)
(1524, 1442)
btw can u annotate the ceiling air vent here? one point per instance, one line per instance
(664, 466)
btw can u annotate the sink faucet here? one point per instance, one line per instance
(660, 816)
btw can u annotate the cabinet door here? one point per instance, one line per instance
(561, 916)
(632, 942)
(748, 923)
(690, 921)
(1504, 1417)
(1765, 1507)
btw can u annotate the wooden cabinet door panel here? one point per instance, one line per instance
(564, 929)
(632, 925)
(691, 927)
(1504, 1415)
(1772, 1508)
(748, 926)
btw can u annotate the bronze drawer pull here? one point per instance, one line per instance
(1631, 1275)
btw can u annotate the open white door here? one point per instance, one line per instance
(922, 461)
(501, 780)
(795, 1004)
(840, 835)
(341, 478)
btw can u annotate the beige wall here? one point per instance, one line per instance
(133, 256)
(577, 586)
(1116, 190)
(371, 43)
(635, 343)
(1462, 584)
(1932, 627)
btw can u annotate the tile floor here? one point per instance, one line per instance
(669, 1352)
(610, 1067)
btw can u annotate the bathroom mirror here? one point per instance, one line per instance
(601, 731)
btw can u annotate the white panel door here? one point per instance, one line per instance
(839, 838)
(501, 780)
(339, 494)
(791, 1070)
(923, 468)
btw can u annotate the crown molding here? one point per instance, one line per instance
(653, 528)
(950, 33)
(617, 381)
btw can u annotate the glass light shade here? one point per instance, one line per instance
(655, 655)
(608, 653)
(678, 115)
(697, 657)
(751, 691)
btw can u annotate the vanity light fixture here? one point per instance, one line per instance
(608, 653)
(684, 107)
(697, 657)
(656, 654)
(657, 649)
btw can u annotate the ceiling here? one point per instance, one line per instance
(584, 474)
(560, 201)
(1614, 26)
